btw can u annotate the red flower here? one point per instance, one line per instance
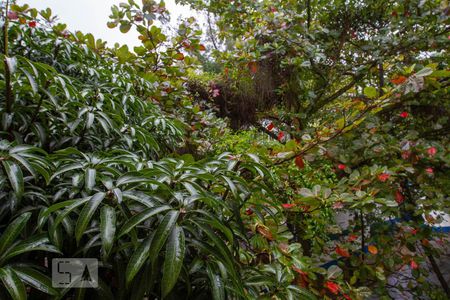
(383, 177)
(280, 135)
(288, 205)
(404, 114)
(332, 287)
(431, 151)
(414, 265)
(32, 24)
(352, 237)
(342, 252)
(12, 15)
(429, 170)
(341, 167)
(270, 126)
(249, 211)
(399, 198)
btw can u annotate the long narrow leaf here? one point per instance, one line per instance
(13, 284)
(173, 260)
(86, 214)
(13, 230)
(107, 228)
(15, 177)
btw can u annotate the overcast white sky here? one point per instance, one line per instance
(92, 15)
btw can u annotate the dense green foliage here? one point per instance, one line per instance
(230, 184)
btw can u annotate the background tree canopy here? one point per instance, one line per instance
(283, 150)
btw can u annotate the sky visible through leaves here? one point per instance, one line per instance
(91, 16)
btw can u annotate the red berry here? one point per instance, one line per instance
(32, 24)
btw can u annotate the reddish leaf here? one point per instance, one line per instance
(332, 287)
(186, 44)
(342, 252)
(383, 177)
(299, 271)
(372, 249)
(288, 205)
(352, 237)
(399, 198)
(264, 231)
(398, 79)
(280, 136)
(299, 162)
(179, 56)
(253, 67)
(201, 47)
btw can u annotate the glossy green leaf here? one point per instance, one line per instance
(15, 177)
(141, 217)
(138, 259)
(86, 214)
(13, 230)
(107, 228)
(13, 284)
(162, 232)
(36, 279)
(173, 260)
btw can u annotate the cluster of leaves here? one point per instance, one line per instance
(362, 100)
